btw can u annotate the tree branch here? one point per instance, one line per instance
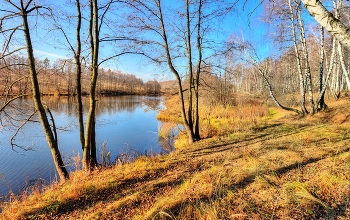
(18, 129)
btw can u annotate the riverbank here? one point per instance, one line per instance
(277, 166)
(216, 120)
(126, 127)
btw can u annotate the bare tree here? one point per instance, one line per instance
(22, 11)
(96, 21)
(78, 68)
(297, 55)
(174, 37)
(263, 69)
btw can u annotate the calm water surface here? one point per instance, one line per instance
(125, 125)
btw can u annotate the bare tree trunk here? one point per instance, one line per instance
(189, 130)
(93, 151)
(342, 62)
(322, 103)
(329, 71)
(337, 5)
(77, 58)
(190, 68)
(306, 58)
(336, 88)
(88, 161)
(198, 71)
(335, 83)
(50, 137)
(301, 77)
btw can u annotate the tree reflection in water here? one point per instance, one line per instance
(126, 126)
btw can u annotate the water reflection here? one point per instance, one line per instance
(107, 104)
(126, 128)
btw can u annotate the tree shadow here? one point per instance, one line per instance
(127, 187)
(115, 191)
(341, 209)
(252, 139)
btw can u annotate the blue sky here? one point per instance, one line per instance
(237, 23)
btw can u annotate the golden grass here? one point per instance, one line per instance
(282, 167)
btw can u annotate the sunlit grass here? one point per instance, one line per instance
(282, 167)
(219, 120)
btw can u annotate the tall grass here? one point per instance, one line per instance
(219, 120)
(288, 168)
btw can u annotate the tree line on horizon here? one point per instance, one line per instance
(57, 79)
(184, 39)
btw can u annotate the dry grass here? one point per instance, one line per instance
(217, 120)
(282, 167)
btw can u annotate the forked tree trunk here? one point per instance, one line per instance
(188, 129)
(198, 71)
(306, 59)
(296, 50)
(89, 157)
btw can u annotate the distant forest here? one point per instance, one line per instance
(300, 65)
(59, 79)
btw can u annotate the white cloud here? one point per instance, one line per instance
(43, 53)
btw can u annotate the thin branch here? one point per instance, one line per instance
(9, 89)
(8, 54)
(9, 1)
(28, 3)
(11, 100)
(103, 15)
(14, 64)
(18, 129)
(66, 37)
(6, 45)
(53, 124)
(128, 52)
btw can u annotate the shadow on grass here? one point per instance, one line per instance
(341, 210)
(91, 196)
(279, 130)
(118, 190)
(283, 170)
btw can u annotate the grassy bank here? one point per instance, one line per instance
(270, 166)
(219, 121)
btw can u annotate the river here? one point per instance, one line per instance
(126, 127)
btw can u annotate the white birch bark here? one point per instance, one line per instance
(337, 5)
(306, 58)
(333, 25)
(342, 62)
(301, 76)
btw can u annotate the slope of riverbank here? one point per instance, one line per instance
(281, 167)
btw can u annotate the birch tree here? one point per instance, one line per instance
(302, 77)
(337, 4)
(325, 18)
